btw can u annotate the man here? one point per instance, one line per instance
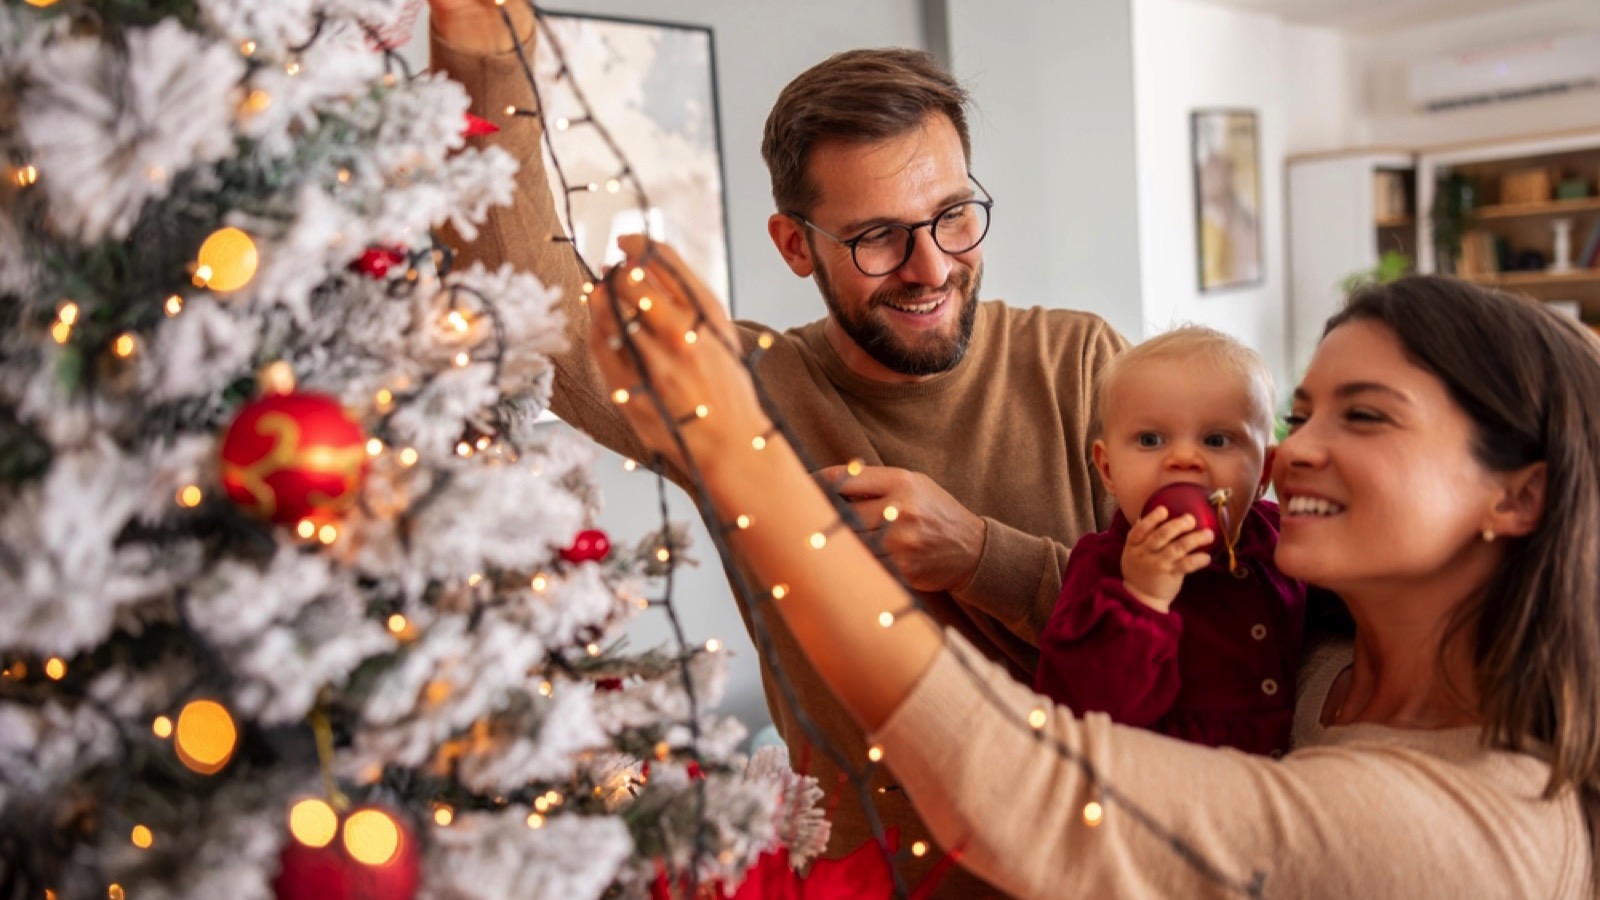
(971, 419)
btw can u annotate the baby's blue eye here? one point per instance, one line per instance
(1149, 439)
(1218, 441)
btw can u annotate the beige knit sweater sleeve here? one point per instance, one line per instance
(523, 235)
(1370, 812)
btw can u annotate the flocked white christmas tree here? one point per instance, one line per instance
(292, 590)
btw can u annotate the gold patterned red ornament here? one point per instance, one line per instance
(294, 456)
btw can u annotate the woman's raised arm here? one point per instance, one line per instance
(827, 585)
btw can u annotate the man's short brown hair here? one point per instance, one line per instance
(858, 96)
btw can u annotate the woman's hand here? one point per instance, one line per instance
(655, 327)
(477, 26)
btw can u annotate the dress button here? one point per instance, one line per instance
(1269, 687)
(1259, 632)
(1241, 573)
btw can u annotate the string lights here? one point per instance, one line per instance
(1034, 722)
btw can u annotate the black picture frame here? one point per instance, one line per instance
(653, 87)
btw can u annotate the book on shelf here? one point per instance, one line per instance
(1389, 196)
(1591, 247)
(1479, 253)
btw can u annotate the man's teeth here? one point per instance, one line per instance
(928, 307)
(1312, 506)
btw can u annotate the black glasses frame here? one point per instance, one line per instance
(911, 231)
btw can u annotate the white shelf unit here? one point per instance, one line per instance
(1573, 154)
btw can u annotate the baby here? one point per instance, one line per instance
(1158, 624)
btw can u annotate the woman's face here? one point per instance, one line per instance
(1378, 485)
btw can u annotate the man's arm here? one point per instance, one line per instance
(1019, 575)
(471, 44)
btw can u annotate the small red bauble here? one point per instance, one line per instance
(591, 545)
(478, 127)
(376, 262)
(288, 457)
(1194, 500)
(331, 873)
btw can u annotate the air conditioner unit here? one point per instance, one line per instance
(1532, 68)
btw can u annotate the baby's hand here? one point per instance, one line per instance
(1159, 554)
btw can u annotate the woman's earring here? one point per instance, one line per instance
(1488, 535)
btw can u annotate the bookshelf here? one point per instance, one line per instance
(1517, 214)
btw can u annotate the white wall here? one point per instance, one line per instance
(1190, 55)
(1379, 62)
(760, 45)
(1053, 140)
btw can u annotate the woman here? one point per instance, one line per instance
(1441, 476)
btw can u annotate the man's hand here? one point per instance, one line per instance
(930, 537)
(477, 26)
(1159, 554)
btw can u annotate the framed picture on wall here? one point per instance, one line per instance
(1227, 194)
(651, 90)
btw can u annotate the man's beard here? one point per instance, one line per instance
(872, 334)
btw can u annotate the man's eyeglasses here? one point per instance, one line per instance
(882, 249)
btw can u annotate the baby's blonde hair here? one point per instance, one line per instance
(1192, 343)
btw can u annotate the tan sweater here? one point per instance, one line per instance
(1357, 811)
(1005, 432)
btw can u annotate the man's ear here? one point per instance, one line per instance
(1103, 465)
(790, 239)
(1521, 505)
(1266, 472)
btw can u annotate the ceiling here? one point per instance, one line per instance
(1369, 15)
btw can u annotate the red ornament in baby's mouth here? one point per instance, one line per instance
(1209, 508)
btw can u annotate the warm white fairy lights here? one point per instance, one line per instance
(1093, 813)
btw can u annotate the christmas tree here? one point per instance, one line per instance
(298, 600)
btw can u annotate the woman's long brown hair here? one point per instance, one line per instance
(1529, 378)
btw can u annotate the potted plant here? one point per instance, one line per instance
(1451, 217)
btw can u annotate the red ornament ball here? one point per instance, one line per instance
(376, 262)
(288, 457)
(354, 865)
(478, 126)
(1194, 500)
(591, 545)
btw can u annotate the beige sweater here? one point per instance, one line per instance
(1359, 811)
(1005, 432)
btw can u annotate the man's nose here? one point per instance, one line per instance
(927, 265)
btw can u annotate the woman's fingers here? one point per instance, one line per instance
(650, 334)
(666, 269)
